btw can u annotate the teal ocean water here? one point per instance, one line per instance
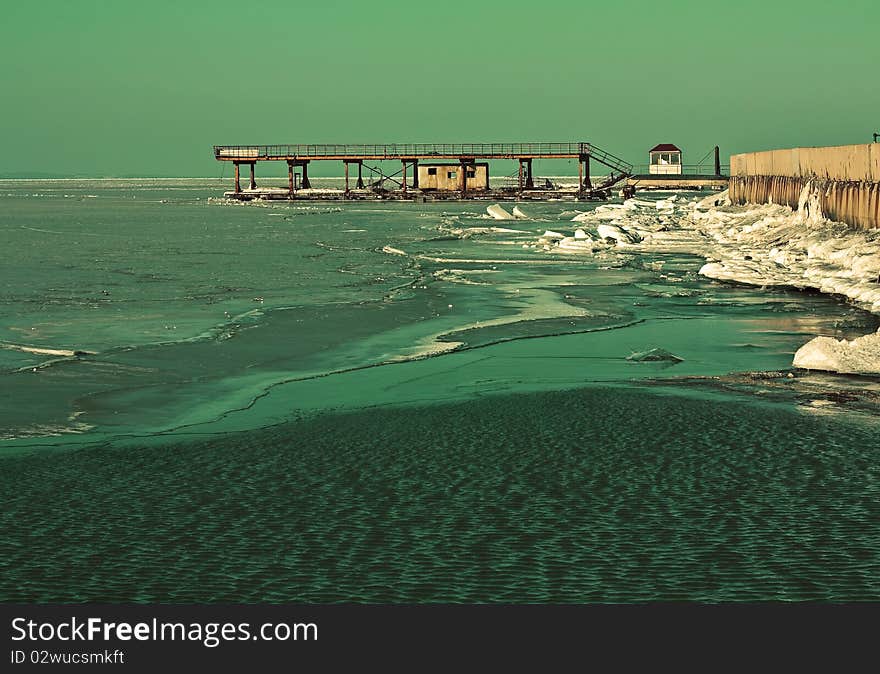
(388, 402)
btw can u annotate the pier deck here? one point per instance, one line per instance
(676, 182)
(692, 177)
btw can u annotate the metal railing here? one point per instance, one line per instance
(404, 150)
(610, 160)
(707, 170)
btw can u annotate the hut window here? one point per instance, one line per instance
(432, 171)
(450, 175)
(655, 157)
(675, 158)
(471, 174)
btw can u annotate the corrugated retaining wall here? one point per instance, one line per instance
(847, 179)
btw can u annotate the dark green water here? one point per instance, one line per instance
(276, 406)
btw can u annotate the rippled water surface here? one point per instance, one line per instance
(391, 402)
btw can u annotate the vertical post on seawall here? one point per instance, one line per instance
(717, 161)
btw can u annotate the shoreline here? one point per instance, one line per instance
(760, 246)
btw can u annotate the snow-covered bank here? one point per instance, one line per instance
(764, 245)
(856, 356)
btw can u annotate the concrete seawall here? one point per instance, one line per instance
(846, 180)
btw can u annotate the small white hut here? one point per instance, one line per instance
(665, 159)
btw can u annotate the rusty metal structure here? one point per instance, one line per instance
(409, 154)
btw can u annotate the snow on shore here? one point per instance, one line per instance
(764, 245)
(856, 356)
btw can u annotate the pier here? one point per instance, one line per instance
(454, 169)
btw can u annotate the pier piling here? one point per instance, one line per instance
(305, 176)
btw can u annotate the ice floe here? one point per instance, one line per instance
(390, 250)
(855, 356)
(499, 213)
(550, 235)
(573, 243)
(618, 234)
(654, 355)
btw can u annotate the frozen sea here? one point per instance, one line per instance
(410, 402)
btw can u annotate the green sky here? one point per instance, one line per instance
(145, 88)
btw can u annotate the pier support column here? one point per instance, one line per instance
(465, 164)
(237, 177)
(415, 168)
(403, 181)
(587, 182)
(360, 182)
(305, 177)
(290, 177)
(345, 164)
(520, 177)
(253, 175)
(718, 161)
(580, 178)
(530, 184)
